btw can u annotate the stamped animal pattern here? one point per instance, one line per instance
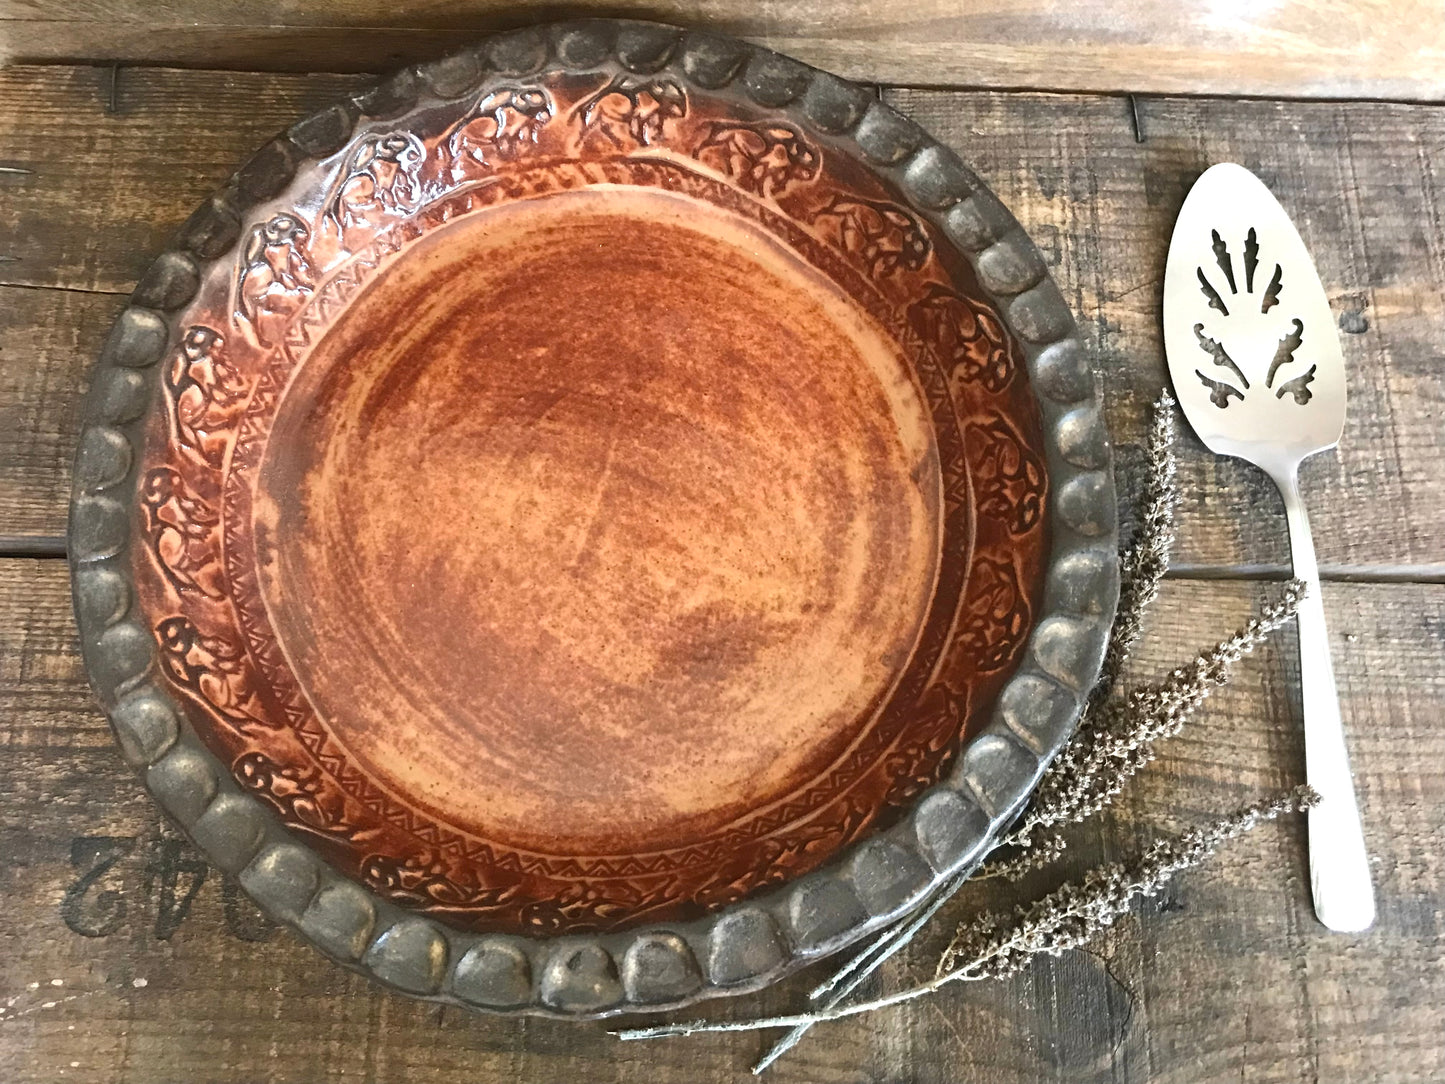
(273, 275)
(1008, 475)
(767, 158)
(884, 236)
(214, 669)
(205, 395)
(302, 795)
(182, 533)
(969, 338)
(630, 111)
(502, 124)
(378, 177)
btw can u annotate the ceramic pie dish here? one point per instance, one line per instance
(594, 522)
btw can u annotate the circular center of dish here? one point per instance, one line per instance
(599, 521)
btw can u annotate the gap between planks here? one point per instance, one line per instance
(37, 546)
(58, 289)
(121, 68)
(53, 547)
(1421, 574)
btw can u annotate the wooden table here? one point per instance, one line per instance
(123, 958)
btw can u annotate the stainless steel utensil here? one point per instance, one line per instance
(1257, 367)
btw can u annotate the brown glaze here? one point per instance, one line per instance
(590, 507)
(658, 568)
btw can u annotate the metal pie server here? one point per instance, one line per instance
(1257, 366)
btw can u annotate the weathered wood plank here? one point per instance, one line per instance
(48, 339)
(1334, 48)
(1362, 179)
(1225, 977)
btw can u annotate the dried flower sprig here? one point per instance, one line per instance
(1093, 768)
(1061, 798)
(995, 946)
(1143, 565)
(998, 945)
(1141, 569)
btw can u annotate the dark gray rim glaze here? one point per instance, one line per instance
(749, 944)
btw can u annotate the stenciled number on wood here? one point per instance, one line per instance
(98, 902)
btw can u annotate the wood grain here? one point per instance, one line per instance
(1225, 977)
(1333, 48)
(48, 340)
(1363, 181)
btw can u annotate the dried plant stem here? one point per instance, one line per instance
(1143, 566)
(995, 946)
(893, 938)
(1032, 855)
(852, 975)
(998, 945)
(1093, 769)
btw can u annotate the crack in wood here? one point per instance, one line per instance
(39, 546)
